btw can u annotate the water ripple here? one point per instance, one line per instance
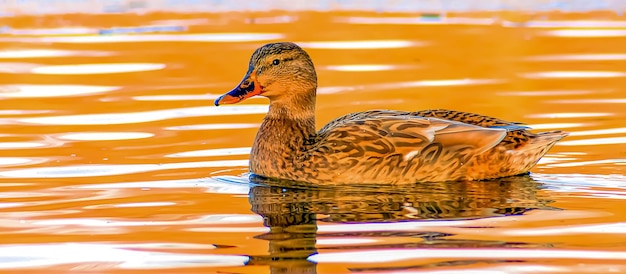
(147, 116)
(391, 255)
(27, 91)
(217, 184)
(82, 69)
(361, 44)
(110, 170)
(579, 57)
(586, 33)
(124, 257)
(212, 152)
(215, 126)
(410, 84)
(594, 141)
(608, 228)
(134, 38)
(561, 115)
(413, 20)
(48, 53)
(574, 74)
(365, 67)
(104, 136)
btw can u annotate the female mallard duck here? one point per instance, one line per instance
(377, 146)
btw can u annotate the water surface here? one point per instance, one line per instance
(113, 158)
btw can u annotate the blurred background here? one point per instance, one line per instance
(114, 159)
(14, 7)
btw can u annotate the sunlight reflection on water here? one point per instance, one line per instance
(206, 219)
(147, 116)
(365, 67)
(52, 90)
(590, 101)
(557, 125)
(574, 74)
(586, 32)
(416, 254)
(212, 152)
(110, 170)
(361, 44)
(411, 84)
(594, 141)
(579, 57)
(413, 20)
(598, 131)
(610, 228)
(125, 256)
(214, 126)
(176, 97)
(80, 69)
(104, 136)
(20, 145)
(72, 110)
(141, 38)
(9, 161)
(569, 115)
(48, 53)
(545, 92)
(218, 184)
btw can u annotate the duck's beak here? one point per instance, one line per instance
(247, 88)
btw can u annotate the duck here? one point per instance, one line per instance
(375, 146)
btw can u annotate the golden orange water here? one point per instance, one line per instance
(114, 158)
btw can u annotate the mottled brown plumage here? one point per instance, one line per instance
(373, 147)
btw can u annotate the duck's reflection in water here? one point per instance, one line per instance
(292, 211)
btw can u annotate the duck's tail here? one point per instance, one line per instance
(527, 156)
(547, 139)
(538, 144)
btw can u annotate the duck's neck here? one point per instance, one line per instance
(283, 135)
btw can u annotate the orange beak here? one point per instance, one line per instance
(247, 88)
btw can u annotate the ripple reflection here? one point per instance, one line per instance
(111, 170)
(560, 115)
(52, 90)
(361, 44)
(586, 32)
(359, 217)
(427, 253)
(104, 136)
(365, 67)
(124, 257)
(579, 57)
(212, 152)
(134, 38)
(411, 84)
(573, 74)
(594, 141)
(146, 116)
(48, 53)
(81, 69)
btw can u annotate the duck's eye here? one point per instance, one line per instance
(275, 62)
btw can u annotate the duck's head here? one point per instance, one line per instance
(277, 71)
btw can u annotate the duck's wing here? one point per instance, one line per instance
(468, 118)
(370, 134)
(445, 114)
(518, 137)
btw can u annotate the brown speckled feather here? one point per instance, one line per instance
(381, 146)
(378, 146)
